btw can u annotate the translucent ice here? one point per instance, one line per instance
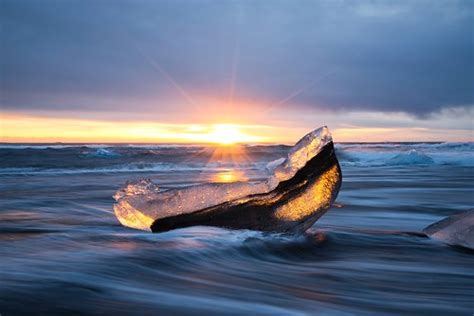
(300, 189)
(140, 187)
(456, 230)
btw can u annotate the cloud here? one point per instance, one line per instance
(413, 57)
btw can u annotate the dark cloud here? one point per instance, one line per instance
(407, 56)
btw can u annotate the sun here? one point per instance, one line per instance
(228, 134)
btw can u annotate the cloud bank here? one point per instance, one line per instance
(402, 56)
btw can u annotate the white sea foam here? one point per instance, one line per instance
(412, 157)
(103, 153)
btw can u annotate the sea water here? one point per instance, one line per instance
(63, 251)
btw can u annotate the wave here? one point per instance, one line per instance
(100, 158)
(137, 167)
(412, 157)
(102, 153)
(458, 146)
(405, 157)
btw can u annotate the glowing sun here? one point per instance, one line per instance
(228, 134)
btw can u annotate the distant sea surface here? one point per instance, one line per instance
(62, 251)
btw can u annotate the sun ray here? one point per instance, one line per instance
(297, 92)
(233, 77)
(175, 84)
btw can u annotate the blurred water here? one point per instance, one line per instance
(63, 251)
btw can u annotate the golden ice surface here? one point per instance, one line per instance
(310, 201)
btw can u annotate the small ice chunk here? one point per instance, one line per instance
(456, 230)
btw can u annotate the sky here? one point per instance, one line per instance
(256, 71)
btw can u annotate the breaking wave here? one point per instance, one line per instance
(413, 157)
(103, 153)
(460, 154)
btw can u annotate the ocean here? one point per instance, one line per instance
(64, 252)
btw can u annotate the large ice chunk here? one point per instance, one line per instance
(299, 190)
